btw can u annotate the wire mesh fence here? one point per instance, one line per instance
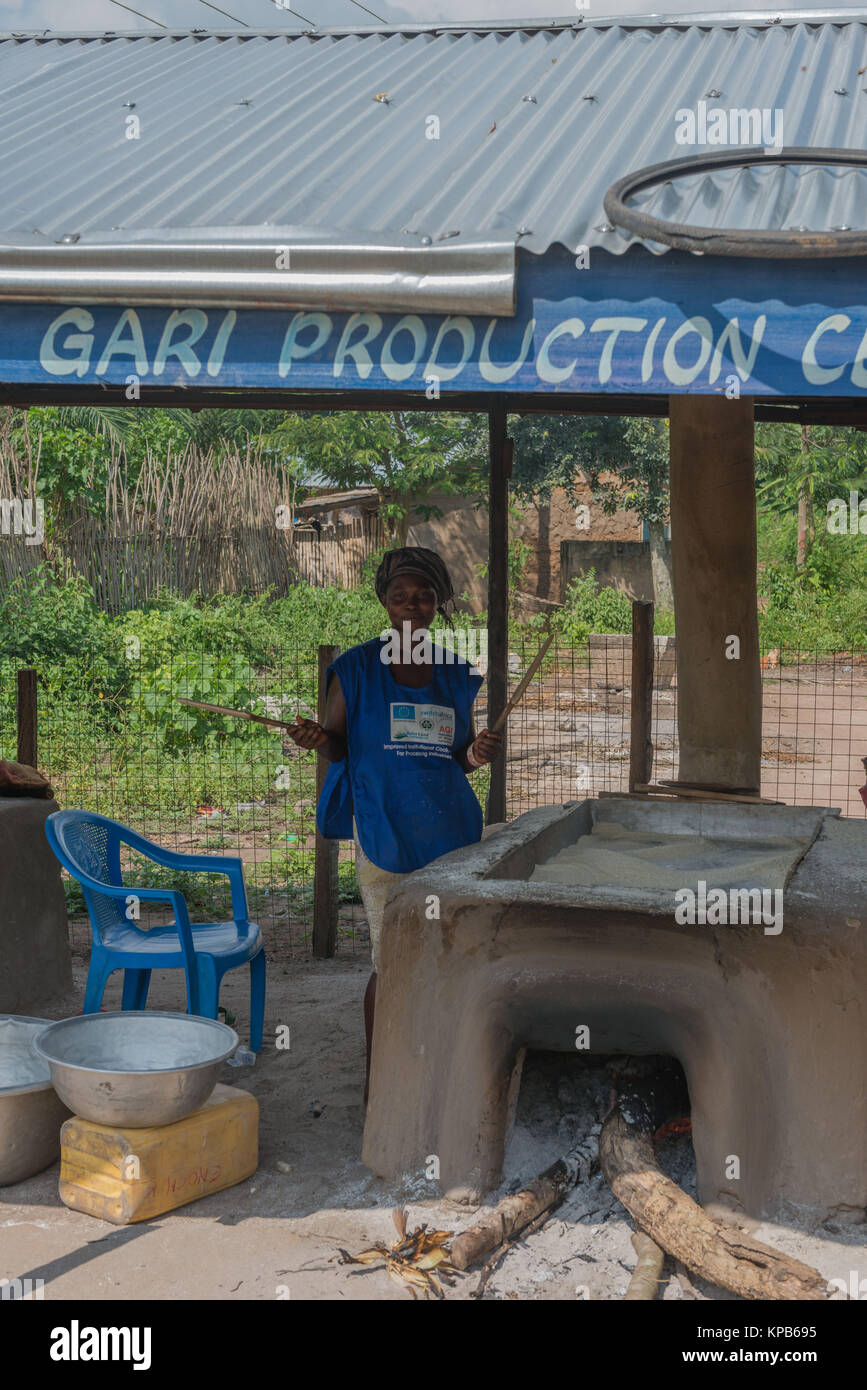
(114, 739)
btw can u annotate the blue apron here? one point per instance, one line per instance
(411, 799)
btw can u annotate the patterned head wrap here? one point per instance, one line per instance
(417, 559)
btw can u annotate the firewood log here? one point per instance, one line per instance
(512, 1214)
(719, 1253)
(647, 1273)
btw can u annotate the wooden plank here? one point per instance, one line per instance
(28, 734)
(326, 896)
(825, 410)
(695, 794)
(641, 743)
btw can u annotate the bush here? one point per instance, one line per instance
(46, 619)
(587, 608)
(801, 614)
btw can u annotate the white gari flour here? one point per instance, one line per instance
(612, 856)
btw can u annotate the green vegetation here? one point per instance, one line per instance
(112, 732)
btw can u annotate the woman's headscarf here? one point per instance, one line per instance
(417, 559)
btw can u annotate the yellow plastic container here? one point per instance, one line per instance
(124, 1175)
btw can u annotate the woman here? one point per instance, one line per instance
(400, 737)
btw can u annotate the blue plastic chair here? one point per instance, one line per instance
(88, 846)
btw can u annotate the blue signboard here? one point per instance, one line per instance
(636, 323)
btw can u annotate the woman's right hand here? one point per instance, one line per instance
(307, 733)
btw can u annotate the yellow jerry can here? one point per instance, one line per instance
(123, 1175)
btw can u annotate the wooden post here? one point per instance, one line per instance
(641, 743)
(326, 896)
(713, 557)
(498, 601)
(28, 743)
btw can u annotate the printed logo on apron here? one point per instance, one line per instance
(422, 723)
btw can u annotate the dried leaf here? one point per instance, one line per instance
(431, 1258)
(433, 1238)
(398, 1216)
(393, 1275)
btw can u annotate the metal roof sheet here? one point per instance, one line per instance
(247, 132)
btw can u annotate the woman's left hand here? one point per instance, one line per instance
(487, 746)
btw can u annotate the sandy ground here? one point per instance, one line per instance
(275, 1236)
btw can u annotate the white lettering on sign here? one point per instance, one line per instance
(486, 367)
(613, 327)
(292, 350)
(820, 376)
(464, 328)
(221, 342)
(675, 371)
(730, 338)
(195, 321)
(133, 346)
(80, 343)
(616, 349)
(402, 371)
(544, 368)
(371, 324)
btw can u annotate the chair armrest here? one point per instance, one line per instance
(229, 865)
(181, 922)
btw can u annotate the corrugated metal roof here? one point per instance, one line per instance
(535, 121)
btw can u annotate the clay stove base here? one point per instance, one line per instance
(769, 1028)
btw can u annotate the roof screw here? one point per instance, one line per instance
(245, 101)
(840, 92)
(604, 227)
(130, 104)
(524, 231)
(713, 93)
(589, 98)
(533, 99)
(426, 241)
(845, 228)
(68, 239)
(383, 97)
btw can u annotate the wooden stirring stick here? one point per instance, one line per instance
(236, 713)
(282, 724)
(524, 682)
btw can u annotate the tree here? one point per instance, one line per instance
(802, 468)
(624, 461)
(405, 455)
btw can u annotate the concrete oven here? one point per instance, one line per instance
(768, 1023)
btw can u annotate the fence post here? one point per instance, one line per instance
(27, 725)
(640, 741)
(326, 896)
(500, 451)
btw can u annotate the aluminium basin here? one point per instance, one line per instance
(31, 1113)
(135, 1068)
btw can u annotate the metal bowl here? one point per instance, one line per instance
(135, 1068)
(31, 1113)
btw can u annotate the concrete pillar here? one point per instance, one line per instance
(713, 557)
(35, 968)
